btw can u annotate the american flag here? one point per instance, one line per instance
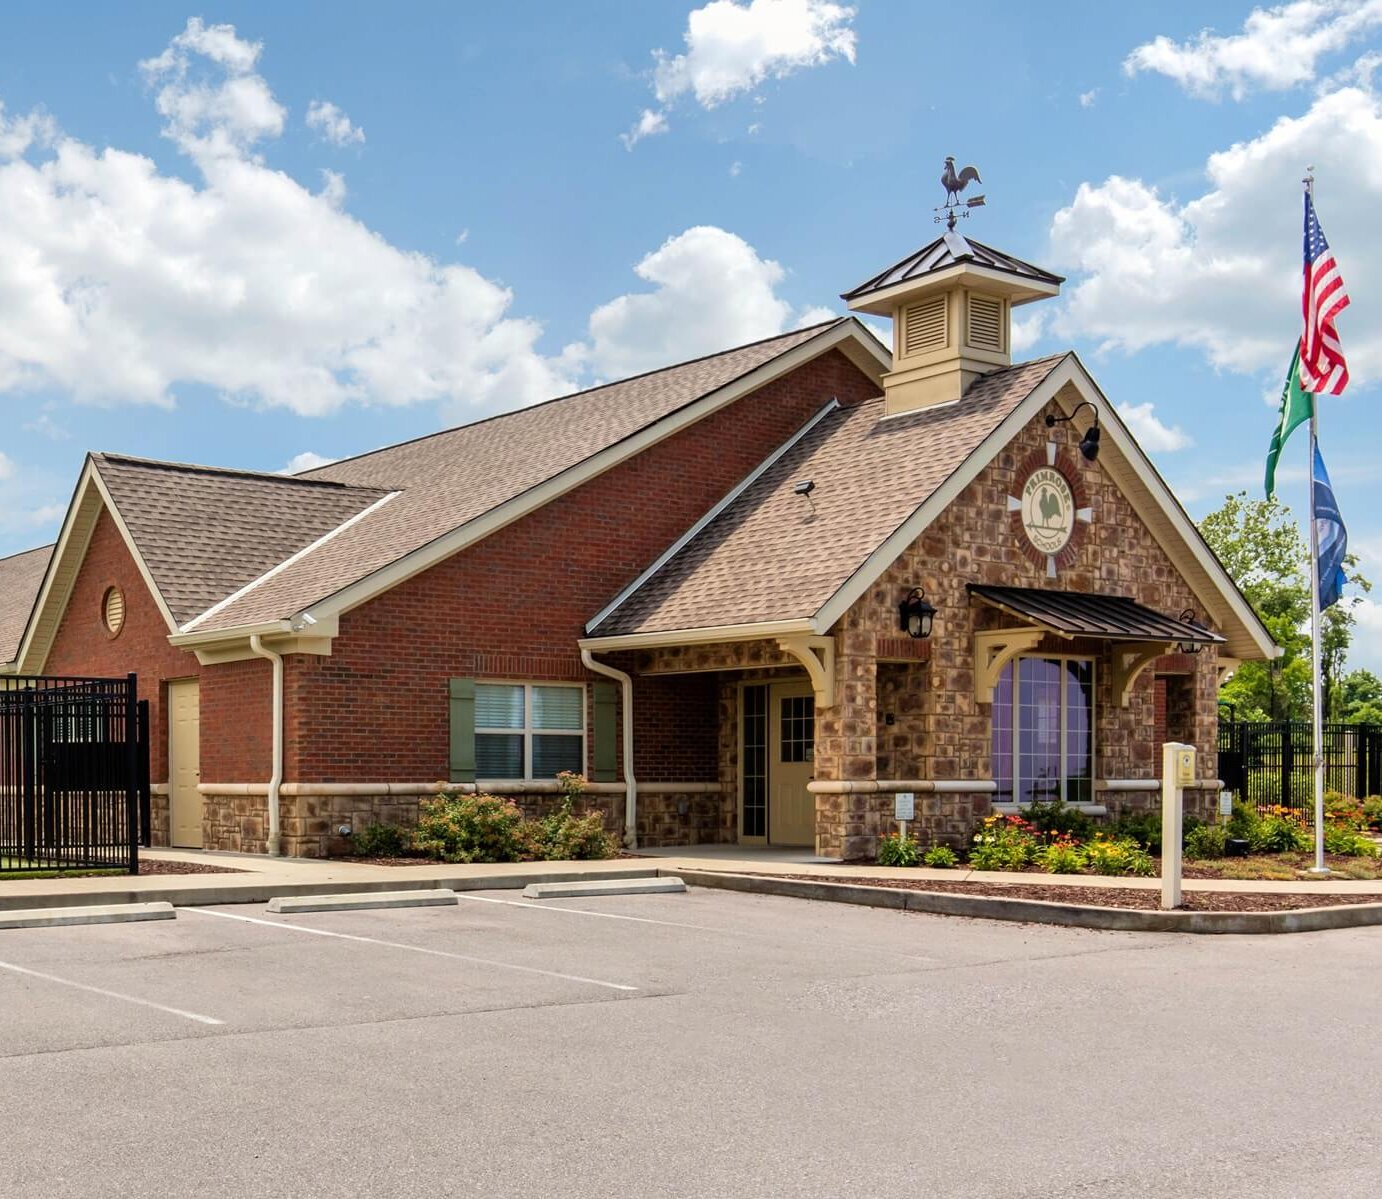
(1323, 370)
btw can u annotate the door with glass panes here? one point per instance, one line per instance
(791, 763)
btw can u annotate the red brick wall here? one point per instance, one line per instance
(83, 647)
(514, 605)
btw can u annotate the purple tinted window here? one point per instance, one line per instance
(1042, 730)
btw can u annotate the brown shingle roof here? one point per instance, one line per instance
(773, 555)
(21, 575)
(450, 478)
(204, 533)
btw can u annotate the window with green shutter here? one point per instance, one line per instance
(527, 730)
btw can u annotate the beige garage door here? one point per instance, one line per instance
(184, 763)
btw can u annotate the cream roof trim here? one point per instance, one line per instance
(848, 335)
(733, 494)
(1131, 470)
(761, 631)
(89, 498)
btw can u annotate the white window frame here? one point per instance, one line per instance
(527, 731)
(1015, 730)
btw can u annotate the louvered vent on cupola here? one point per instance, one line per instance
(924, 327)
(986, 323)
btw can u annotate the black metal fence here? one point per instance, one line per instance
(74, 772)
(1272, 762)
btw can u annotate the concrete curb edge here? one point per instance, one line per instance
(1035, 911)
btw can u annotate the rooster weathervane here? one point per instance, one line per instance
(954, 183)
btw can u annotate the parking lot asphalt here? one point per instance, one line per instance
(706, 1044)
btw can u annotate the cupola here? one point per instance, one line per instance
(951, 307)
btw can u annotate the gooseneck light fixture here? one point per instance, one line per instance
(915, 615)
(1089, 444)
(1189, 647)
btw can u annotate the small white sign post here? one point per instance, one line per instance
(904, 809)
(1177, 773)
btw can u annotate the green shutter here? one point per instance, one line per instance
(606, 764)
(462, 730)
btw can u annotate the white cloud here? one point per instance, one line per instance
(332, 124)
(6, 467)
(1087, 98)
(307, 460)
(212, 101)
(1278, 48)
(1150, 432)
(649, 124)
(120, 282)
(711, 290)
(736, 169)
(1221, 273)
(1366, 650)
(733, 46)
(17, 134)
(1028, 330)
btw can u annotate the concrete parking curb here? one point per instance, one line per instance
(663, 885)
(261, 891)
(358, 901)
(52, 917)
(1034, 911)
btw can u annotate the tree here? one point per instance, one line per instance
(1262, 548)
(1359, 699)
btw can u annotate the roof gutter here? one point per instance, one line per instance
(630, 784)
(275, 839)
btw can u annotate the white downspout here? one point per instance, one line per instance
(630, 784)
(275, 840)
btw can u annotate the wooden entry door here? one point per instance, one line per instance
(184, 764)
(791, 763)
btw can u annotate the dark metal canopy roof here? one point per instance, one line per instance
(949, 250)
(1109, 617)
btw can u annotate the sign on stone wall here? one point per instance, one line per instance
(1049, 509)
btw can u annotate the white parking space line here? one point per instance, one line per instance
(436, 953)
(67, 982)
(699, 928)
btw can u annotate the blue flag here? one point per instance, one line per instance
(1331, 534)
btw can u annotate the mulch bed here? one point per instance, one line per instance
(163, 866)
(1105, 897)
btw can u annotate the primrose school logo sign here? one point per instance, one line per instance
(1048, 510)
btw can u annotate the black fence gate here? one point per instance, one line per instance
(1272, 762)
(74, 771)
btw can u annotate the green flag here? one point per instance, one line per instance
(1296, 408)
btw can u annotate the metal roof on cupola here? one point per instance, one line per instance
(942, 261)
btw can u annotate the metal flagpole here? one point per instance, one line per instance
(1316, 642)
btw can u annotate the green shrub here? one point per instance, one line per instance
(379, 840)
(1344, 811)
(564, 836)
(941, 857)
(1064, 855)
(472, 828)
(1279, 831)
(1054, 817)
(1206, 841)
(1118, 855)
(894, 849)
(1348, 842)
(1002, 843)
(1144, 827)
(1243, 823)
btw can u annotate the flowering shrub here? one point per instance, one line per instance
(563, 835)
(1063, 855)
(471, 828)
(1003, 843)
(941, 857)
(1117, 855)
(1206, 841)
(1372, 811)
(896, 850)
(1279, 831)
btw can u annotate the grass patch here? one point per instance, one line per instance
(1283, 867)
(56, 872)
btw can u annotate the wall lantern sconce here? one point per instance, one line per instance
(1189, 647)
(1089, 444)
(915, 615)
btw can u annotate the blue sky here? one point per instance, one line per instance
(314, 229)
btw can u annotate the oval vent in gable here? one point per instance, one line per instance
(985, 323)
(113, 610)
(924, 327)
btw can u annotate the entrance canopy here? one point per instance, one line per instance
(1141, 634)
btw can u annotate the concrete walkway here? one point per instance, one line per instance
(260, 877)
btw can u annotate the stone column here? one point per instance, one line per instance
(847, 748)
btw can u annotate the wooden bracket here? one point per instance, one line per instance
(993, 650)
(1226, 668)
(1129, 661)
(817, 654)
